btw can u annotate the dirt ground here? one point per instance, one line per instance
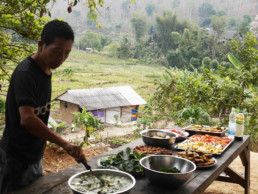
(221, 187)
(56, 159)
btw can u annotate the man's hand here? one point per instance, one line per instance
(75, 151)
(35, 126)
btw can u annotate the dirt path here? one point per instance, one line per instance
(109, 131)
(230, 188)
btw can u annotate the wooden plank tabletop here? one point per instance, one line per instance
(197, 183)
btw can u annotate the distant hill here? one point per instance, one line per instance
(115, 17)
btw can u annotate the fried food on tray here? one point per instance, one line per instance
(199, 159)
(208, 129)
(150, 150)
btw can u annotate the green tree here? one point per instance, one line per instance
(104, 40)
(174, 58)
(21, 24)
(176, 38)
(218, 24)
(206, 10)
(232, 22)
(124, 49)
(221, 13)
(22, 19)
(166, 24)
(214, 64)
(225, 64)
(244, 26)
(111, 50)
(88, 122)
(245, 63)
(68, 72)
(182, 89)
(206, 62)
(150, 8)
(139, 24)
(90, 40)
(195, 62)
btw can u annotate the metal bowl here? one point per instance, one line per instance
(106, 172)
(152, 165)
(147, 137)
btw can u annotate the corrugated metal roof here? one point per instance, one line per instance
(101, 98)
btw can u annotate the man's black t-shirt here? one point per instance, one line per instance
(29, 86)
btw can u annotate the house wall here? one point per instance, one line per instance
(110, 113)
(66, 110)
(105, 115)
(100, 114)
(126, 114)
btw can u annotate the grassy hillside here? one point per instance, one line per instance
(96, 71)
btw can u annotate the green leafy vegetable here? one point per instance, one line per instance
(124, 160)
(170, 170)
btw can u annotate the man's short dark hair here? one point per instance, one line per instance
(56, 29)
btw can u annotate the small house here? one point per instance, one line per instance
(109, 105)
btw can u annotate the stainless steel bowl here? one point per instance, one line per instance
(152, 165)
(106, 172)
(147, 137)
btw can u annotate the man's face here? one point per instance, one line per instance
(56, 53)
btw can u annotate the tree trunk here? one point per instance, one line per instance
(214, 51)
(86, 136)
(220, 116)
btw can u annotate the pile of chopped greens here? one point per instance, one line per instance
(170, 170)
(124, 160)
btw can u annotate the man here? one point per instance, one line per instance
(28, 107)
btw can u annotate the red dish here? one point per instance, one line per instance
(179, 132)
(224, 141)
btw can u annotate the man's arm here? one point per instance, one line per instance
(35, 126)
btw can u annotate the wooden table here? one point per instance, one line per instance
(198, 182)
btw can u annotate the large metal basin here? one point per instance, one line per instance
(107, 172)
(147, 137)
(152, 165)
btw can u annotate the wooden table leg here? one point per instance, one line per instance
(245, 158)
(234, 177)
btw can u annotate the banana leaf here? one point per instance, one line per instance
(235, 62)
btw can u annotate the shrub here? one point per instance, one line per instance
(214, 64)
(195, 62)
(206, 62)
(174, 58)
(111, 50)
(225, 64)
(193, 115)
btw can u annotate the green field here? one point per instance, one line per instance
(98, 71)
